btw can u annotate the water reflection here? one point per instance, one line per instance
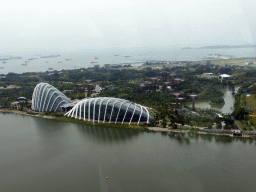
(187, 137)
(52, 139)
(74, 157)
(180, 137)
(48, 127)
(193, 136)
(207, 137)
(223, 139)
(107, 134)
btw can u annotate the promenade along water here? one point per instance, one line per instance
(47, 155)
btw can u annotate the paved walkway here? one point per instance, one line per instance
(237, 125)
(251, 126)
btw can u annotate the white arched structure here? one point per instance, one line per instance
(109, 109)
(47, 98)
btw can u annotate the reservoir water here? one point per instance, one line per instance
(85, 59)
(47, 155)
(226, 108)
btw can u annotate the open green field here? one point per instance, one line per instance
(243, 124)
(235, 61)
(251, 101)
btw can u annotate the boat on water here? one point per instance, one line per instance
(7, 58)
(4, 62)
(4, 59)
(1, 67)
(24, 64)
(127, 56)
(68, 59)
(50, 56)
(116, 55)
(59, 62)
(94, 62)
(50, 68)
(30, 58)
(96, 57)
(17, 57)
(46, 61)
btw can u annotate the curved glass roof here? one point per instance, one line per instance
(109, 109)
(48, 98)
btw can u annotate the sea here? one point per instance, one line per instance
(136, 57)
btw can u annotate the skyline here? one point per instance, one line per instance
(57, 26)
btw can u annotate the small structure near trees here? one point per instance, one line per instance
(193, 96)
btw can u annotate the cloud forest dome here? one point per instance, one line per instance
(109, 110)
(48, 98)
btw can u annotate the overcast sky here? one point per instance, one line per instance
(99, 24)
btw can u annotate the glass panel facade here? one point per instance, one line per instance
(112, 110)
(102, 109)
(48, 98)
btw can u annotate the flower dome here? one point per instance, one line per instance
(109, 110)
(47, 98)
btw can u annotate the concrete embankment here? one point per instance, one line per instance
(182, 129)
(228, 133)
(26, 113)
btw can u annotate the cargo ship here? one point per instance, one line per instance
(50, 56)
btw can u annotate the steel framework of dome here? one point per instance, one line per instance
(109, 109)
(48, 98)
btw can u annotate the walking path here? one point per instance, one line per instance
(251, 126)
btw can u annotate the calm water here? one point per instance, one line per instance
(47, 155)
(84, 59)
(226, 108)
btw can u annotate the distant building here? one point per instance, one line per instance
(21, 99)
(225, 76)
(66, 107)
(208, 75)
(15, 105)
(249, 63)
(68, 91)
(98, 89)
(208, 62)
(2, 76)
(106, 66)
(96, 67)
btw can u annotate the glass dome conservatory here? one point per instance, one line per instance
(47, 98)
(109, 110)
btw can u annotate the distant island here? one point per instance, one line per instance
(222, 47)
(227, 46)
(186, 48)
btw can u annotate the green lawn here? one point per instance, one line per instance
(243, 124)
(251, 100)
